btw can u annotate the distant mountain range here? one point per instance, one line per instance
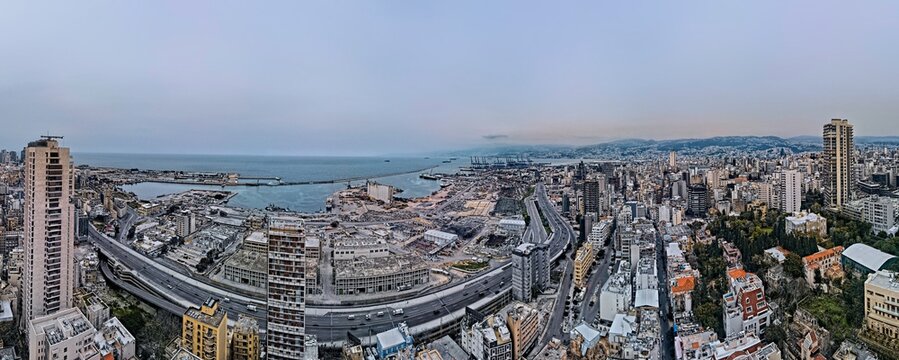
(625, 148)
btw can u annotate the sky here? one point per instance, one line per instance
(376, 77)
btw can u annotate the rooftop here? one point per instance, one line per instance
(867, 256)
(365, 267)
(61, 325)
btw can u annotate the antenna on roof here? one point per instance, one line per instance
(51, 137)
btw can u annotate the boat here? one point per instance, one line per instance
(447, 161)
(428, 176)
(444, 183)
(388, 160)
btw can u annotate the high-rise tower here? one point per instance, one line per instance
(48, 280)
(286, 325)
(839, 159)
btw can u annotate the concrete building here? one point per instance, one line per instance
(245, 339)
(745, 306)
(585, 341)
(878, 211)
(114, 341)
(672, 160)
(187, 224)
(488, 339)
(601, 232)
(616, 296)
(65, 334)
(698, 199)
(807, 223)
(591, 196)
(582, 263)
(881, 304)
(825, 263)
(360, 248)
(838, 161)
(48, 274)
(530, 271)
(367, 276)
(790, 191)
(204, 331)
(513, 225)
(863, 259)
(524, 325)
(286, 320)
(395, 342)
(247, 267)
(441, 238)
(380, 192)
(256, 241)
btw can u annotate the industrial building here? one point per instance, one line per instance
(247, 267)
(369, 248)
(366, 276)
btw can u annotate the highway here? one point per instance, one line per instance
(562, 235)
(330, 324)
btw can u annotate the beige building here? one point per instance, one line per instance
(882, 304)
(524, 325)
(582, 263)
(285, 327)
(64, 334)
(807, 223)
(204, 331)
(839, 158)
(245, 339)
(48, 274)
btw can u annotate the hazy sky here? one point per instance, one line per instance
(369, 77)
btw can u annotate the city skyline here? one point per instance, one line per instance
(339, 79)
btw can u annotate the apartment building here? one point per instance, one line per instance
(204, 331)
(882, 304)
(745, 306)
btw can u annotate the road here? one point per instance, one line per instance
(331, 324)
(563, 234)
(667, 343)
(536, 231)
(597, 279)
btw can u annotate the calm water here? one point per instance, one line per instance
(304, 198)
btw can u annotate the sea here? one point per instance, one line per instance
(401, 172)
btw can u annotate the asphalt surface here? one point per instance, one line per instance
(562, 235)
(333, 325)
(597, 279)
(667, 331)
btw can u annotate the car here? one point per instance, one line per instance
(251, 308)
(398, 312)
(351, 317)
(367, 316)
(227, 300)
(436, 312)
(380, 313)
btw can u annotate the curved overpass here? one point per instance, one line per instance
(425, 313)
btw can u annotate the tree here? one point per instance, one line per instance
(793, 265)
(157, 333)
